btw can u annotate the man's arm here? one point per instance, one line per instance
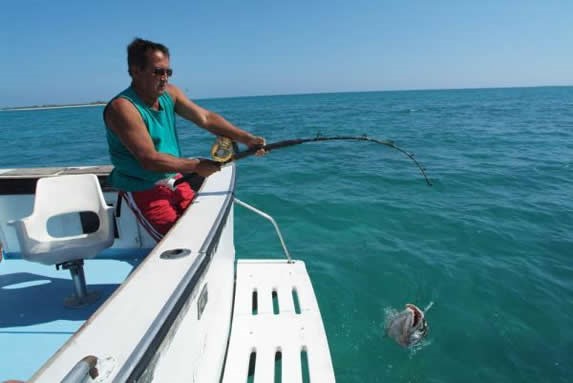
(211, 121)
(125, 121)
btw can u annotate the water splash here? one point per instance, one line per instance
(414, 349)
(389, 315)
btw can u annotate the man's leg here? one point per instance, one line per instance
(160, 207)
(183, 197)
(154, 210)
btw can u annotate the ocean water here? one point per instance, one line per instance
(490, 243)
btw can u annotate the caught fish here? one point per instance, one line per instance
(408, 327)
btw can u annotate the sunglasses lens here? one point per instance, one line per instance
(163, 72)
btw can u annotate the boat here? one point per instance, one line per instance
(93, 298)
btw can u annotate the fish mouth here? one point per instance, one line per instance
(418, 314)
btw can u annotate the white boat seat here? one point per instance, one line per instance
(279, 327)
(63, 195)
(56, 196)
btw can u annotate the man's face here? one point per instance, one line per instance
(152, 79)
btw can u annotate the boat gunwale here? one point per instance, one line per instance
(160, 328)
(141, 353)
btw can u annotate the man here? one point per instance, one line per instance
(143, 143)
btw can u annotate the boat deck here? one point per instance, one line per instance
(170, 311)
(33, 315)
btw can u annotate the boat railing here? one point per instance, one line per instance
(271, 219)
(84, 368)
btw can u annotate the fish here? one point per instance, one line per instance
(408, 327)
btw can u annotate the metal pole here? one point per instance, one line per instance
(265, 215)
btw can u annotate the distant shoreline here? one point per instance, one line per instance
(44, 107)
(102, 103)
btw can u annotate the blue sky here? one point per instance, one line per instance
(74, 51)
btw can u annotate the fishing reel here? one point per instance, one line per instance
(223, 149)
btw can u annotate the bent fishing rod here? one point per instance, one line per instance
(225, 150)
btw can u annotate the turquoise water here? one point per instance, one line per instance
(491, 243)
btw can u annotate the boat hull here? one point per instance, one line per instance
(174, 303)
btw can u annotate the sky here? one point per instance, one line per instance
(75, 51)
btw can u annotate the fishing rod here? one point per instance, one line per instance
(225, 150)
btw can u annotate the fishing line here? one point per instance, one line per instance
(225, 150)
(429, 306)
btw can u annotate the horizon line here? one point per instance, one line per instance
(100, 103)
(386, 90)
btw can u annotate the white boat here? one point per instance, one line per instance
(181, 310)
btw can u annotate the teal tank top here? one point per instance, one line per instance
(128, 174)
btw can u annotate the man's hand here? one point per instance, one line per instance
(256, 141)
(206, 167)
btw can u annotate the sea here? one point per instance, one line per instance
(489, 244)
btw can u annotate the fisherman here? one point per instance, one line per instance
(143, 142)
(408, 327)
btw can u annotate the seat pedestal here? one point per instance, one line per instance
(81, 296)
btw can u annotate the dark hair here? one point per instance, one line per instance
(137, 50)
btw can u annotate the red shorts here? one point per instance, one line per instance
(158, 208)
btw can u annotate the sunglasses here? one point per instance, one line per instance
(163, 72)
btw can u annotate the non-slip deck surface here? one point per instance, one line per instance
(276, 321)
